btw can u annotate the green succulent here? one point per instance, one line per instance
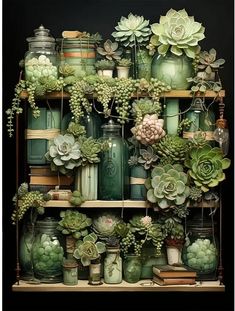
(167, 186)
(110, 50)
(66, 70)
(198, 140)
(132, 30)
(104, 225)
(88, 249)
(206, 166)
(143, 106)
(124, 62)
(178, 32)
(121, 229)
(64, 153)
(104, 64)
(89, 150)
(195, 193)
(76, 198)
(140, 224)
(74, 223)
(208, 62)
(157, 235)
(173, 148)
(147, 158)
(76, 129)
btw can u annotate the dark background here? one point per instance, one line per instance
(20, 18)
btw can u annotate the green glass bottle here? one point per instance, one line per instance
(113, 167)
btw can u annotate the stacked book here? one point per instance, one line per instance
(41, 178)
(173, 275)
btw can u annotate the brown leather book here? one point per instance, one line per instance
(173, 281)
(170, 271)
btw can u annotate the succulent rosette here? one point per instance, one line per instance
(64, 153)
(168, 186)
(104, 225)
(206, 166)
(177, 32)
(132, 30)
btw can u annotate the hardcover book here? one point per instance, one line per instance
(170, 271)
(173, 281)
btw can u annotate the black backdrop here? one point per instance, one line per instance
(20, 18)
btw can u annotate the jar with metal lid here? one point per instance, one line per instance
(113, 166)
(200, 251)
(48, 251)
(41, 60)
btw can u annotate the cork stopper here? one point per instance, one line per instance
(222, 123)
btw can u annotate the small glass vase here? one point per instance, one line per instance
(113, 266)
(132, 268)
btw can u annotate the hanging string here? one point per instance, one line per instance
(122, 172)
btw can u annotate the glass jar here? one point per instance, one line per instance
(25, 247)
(113, 166)
(113, 266)
(70, 272)
(48, 251)
(200, 251)
(132, 268)
(95, 272)
(41, 59)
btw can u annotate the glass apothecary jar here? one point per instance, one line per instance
(41, 60)
(48, 251)
(200, 251)
(113, 166)
(113, 266)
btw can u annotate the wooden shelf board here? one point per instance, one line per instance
(83, 286)
(100, 204)
(171, 94)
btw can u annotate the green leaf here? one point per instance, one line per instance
(76, 254)
(151, 197)
(100, 247)
(225, 163)
(92, 237)
(85, 261)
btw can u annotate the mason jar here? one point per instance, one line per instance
(113, 167)
(48, 251)
(200, 251)
(132, 268)
(113, 266)
(41, 60)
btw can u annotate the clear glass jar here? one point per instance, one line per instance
(200, 251)
(113, 166)
(41, 60)
(113, 266)
(132, 268)
(48, 251)
(25, 247)
(95, 272)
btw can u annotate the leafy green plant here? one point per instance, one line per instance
(147, 158)
(89, 249)
(74, 223)
(124, 62)
(76, 198)
(177, 32)
(103, 64)
(104, 225)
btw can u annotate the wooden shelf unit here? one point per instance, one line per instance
(170, 94)
(83, 286)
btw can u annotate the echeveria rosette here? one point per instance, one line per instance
(104, 225)
(178, 32)
(132, 30)
(74, 223)
(206, 166)
(168, 186)
(64, 154)
(89, 249)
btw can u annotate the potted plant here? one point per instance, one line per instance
(110, 50)
(105, 67)
(123, 67)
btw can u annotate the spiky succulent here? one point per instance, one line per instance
(198, 140)
(64, 153)
(76, 129)
(132, 30)
(74, 223)
(133, 160)
(208, 63)
(140, 224)
(147, 157)
(110, 50)
(177, 32)
(124, 62)
(173, 148)
(206, 166)
(167, 186)
(89, 150)
(174, 231)
(195, 193)
(88, 249)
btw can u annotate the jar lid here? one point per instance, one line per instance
(111, 125)
(70, 263)
(48, 222)
(41, 35)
